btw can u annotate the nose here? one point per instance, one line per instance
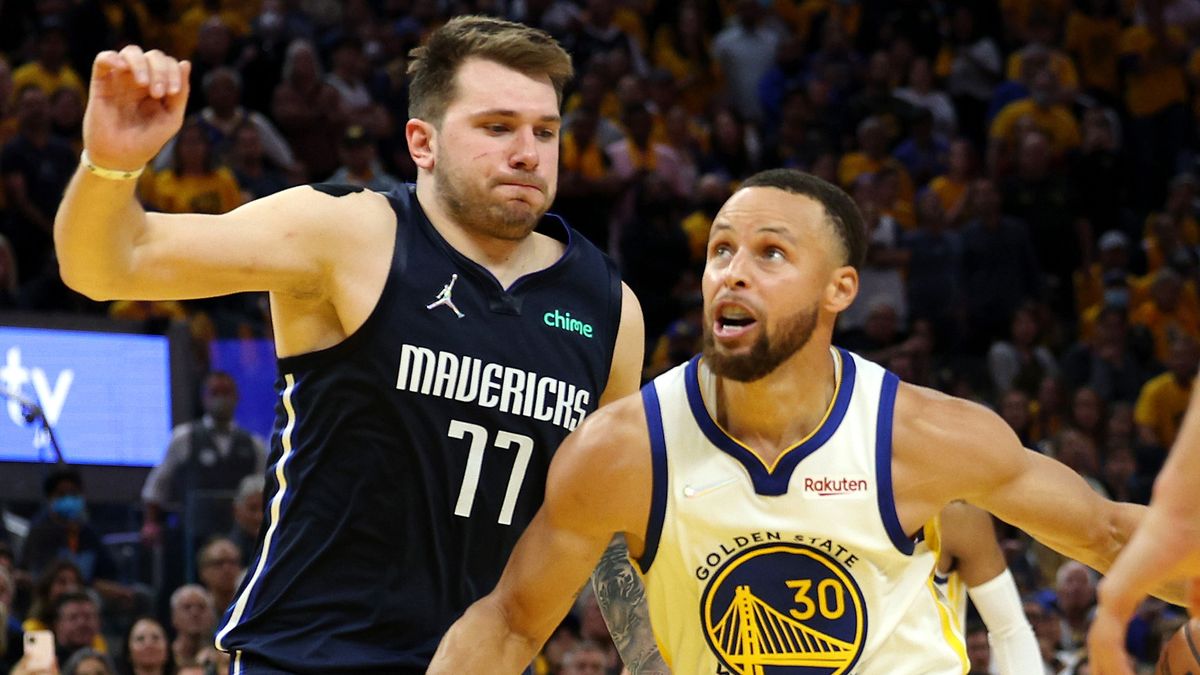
(524, 153)
(735, 274)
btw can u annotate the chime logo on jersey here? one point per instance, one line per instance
(784, 609)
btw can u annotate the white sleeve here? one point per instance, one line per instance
(157, 488)
(1014, 647)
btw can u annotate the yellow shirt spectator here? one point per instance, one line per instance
(1160, 407)
(1166, 326)
(950, 192)
(1094, 42)
(1059, 63)
(214, 192)
(1056, 121)
(34, 74)
(1156, 82)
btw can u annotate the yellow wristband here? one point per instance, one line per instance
(110, 174)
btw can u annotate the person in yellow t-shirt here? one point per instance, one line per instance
(1167, 314)
(871, 157)
(193, 184)
(1043, 112)
(1093, 37)
(1163, 399)
(951, 187)
(50, 70)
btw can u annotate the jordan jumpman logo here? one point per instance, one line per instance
(443, 297)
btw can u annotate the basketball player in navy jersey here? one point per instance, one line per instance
(1165, 546)
(774, 491)
(434, 349)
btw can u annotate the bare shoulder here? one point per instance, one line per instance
(603, 470)
(960, 445)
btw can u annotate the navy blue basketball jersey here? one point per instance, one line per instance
(407, 460)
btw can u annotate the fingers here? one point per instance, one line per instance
(155, 72)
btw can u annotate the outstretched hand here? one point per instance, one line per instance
(135, 104)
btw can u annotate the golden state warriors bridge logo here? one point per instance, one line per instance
(784, 608)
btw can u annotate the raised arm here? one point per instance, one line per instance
(1166, 546)
(599, 483)
(109, 247)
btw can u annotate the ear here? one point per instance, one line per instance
(842, 289)
(422, 143)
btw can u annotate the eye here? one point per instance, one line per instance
(547, 134)
(720, 250)
(774, 253)
(496, 128)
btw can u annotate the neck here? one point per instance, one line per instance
(776, 412)
(506, 259)
(147, 670)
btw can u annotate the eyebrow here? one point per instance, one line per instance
(505, 112)
(784, 232)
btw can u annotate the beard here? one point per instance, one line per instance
(477, 210)
(766, 353)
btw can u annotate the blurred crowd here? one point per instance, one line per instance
(1027, 170)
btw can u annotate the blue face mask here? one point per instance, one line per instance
(68, 507)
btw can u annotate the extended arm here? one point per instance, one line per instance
(599, 483)
(1034, 492)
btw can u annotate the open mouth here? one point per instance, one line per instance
(732, 321)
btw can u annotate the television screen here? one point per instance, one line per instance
(106, 395)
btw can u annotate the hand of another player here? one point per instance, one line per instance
(1106, 642)
(135, 105)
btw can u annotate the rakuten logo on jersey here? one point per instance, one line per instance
(835, 487)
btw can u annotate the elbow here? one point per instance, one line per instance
(96, 286)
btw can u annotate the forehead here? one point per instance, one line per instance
(482, 85)
(755, 209)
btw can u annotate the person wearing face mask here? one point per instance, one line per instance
(203, 465)
(61, 532)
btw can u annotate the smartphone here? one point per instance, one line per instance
(39, 649)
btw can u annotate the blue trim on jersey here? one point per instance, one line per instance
(658, 462)
(883, 465)
(766, 482)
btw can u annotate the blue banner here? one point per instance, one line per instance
(106, 395)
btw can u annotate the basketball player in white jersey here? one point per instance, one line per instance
(1166, 546)
(972, 564)
(775, 493)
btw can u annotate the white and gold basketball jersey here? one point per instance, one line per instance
(797, 568)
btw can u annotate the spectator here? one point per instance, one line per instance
(872, 157)
(194, 182)
(923, 153)
(745, 51)
(1167, 314)
(1152, 54)
(220, 119)
(876, 100)
(309, 111)
(360, 162)
(247, 516)
(1107, 362)
(348, 77)
(193, 617)
(979, 652)
(733, 149)
(50, 70)
(88, 661)
(1021, 362)
(881, 277)
(587, 185)
(935, 274)
(1042, 198)
(66, 116)
(146, 650)
(211, 453)
(951, 187)
(1093, 37)
(1014, 408)
(76, 625)
(970, 63)
(35, 167)
(1041, 39)
(598, 32)
(254, 174)
(1163, 399)
(1075, 591)
(920, 93)
(1042, 110)
(654, 252)
(10, 624)
(1099, 170)
(61, 532)
(221, 570)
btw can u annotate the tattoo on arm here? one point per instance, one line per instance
(622, 599)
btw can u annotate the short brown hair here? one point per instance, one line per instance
(433, 66)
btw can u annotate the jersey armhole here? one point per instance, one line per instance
(658, 463)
